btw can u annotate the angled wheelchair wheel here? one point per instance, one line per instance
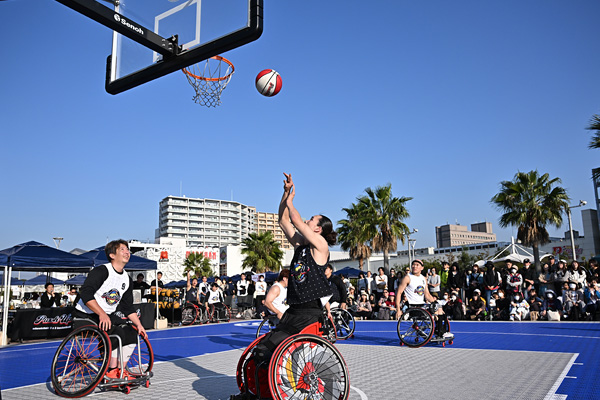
(344, 323)
(189, 314)
(415, 327)
(80, 362)
(142, 359)
(308, 367)
(246, 374)
(203, 315)
(266, 326)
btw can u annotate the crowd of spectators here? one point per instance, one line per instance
(502, 291)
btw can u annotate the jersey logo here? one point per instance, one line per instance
(112, 297)
(299, 272)
(123, 287)
(420, 290)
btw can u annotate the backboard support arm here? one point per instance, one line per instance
(117, 22)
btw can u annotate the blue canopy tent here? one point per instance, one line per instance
(13, 281)
(76, 280)
(176, 284)
(36, 256)
(349, 272)
(42, 280)
(135, 263)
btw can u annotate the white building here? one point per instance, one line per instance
(205, 222)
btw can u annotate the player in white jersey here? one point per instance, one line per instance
(414, 286)
(106, 295)
(277, 295)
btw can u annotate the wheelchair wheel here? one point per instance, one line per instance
(80, 362)
(415, 327)
(203, 315)
(189, 314)
(246, 373)
(344, 323)
(308, 367)
(142, 358)
(265, 326)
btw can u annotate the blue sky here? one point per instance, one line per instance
(442, 99)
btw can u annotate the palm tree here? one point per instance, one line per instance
(381, 215)
(595, 126)
(531, 202)
(198, 264)
(262, 252)
(351, 236)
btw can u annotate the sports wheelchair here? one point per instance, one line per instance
(342, 320)
(83, 357)
(216, 314)
(194, 314)
(416, 326)
(303, 366)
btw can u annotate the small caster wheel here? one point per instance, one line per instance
(443, 344)
(451, 342)
(147, 384)
(126, 390)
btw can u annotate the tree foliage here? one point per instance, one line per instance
(198, 264)
(380, 216)
(595, 126)
(262, 252)
(531, 202)
(352, 236)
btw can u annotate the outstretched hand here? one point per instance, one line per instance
(287, 183)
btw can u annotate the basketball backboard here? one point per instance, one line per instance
(153, 38)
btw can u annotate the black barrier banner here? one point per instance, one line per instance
(42, 323)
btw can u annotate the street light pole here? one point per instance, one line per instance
(415, 230)
(581, 203)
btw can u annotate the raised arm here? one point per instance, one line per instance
(307, 233)
(284, 215)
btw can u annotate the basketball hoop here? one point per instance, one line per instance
(209, 80)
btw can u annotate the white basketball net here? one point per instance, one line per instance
(209, 78)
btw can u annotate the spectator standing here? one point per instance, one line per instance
(384, 310)
(260, 292)
(160, 282)
(72, 296)
(339, 296)
(455, 280)
(381, 283)
(444, 276)
(529, 278)
(362, 283)
(476, 281)
(203, 288)
(370, 283)
(49, 298)
(392, 278)
(560, 277)
(514, 280)
(551, 307)
(229, 292)
(491, 280)
(552, 263)
(433, 283)
(242, 293)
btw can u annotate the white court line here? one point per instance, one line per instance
(362, 394)
(500, 333)
(552, 392)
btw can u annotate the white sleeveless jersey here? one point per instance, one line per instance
(214, 296)
(415, 290)
(111, 292)
(280, 301)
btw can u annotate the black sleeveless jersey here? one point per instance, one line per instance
(307, 280)
(192, 294)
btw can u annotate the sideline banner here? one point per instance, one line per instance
(44, 323)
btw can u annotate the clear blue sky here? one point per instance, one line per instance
(442, 99)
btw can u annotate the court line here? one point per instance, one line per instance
(552, 392)
(500, 333)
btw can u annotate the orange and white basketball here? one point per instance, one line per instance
(268, 82)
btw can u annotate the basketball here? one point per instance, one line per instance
(268, 82)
